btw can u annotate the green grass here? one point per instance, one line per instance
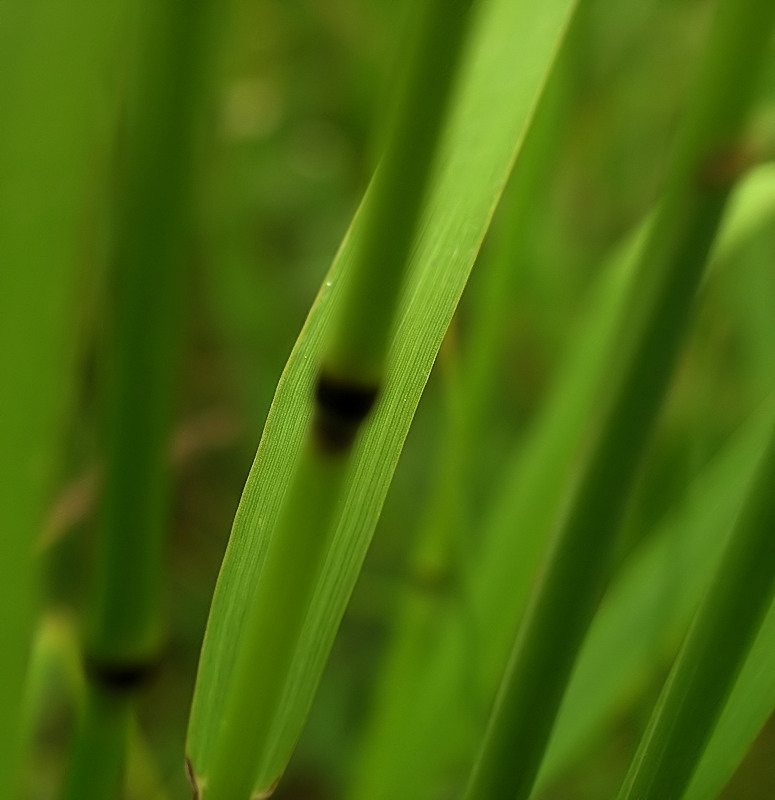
(567, 459)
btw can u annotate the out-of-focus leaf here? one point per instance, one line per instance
(534, 481)
(611, 650)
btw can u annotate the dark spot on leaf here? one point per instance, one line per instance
(340, 407)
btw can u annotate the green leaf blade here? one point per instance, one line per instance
(500, 82)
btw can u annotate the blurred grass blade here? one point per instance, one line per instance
(648, 340)
(97, 753)
(512, 47)
(751, 207)
(534, 482)
(650, 603)
(644, 597)
(714, 650)
(53, 61)
(139, 357)
(751, 703)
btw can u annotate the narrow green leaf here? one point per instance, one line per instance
(54, 671)
(349, 381)
(533, 487)
(512, 47)
(752, 207)
(540, 469)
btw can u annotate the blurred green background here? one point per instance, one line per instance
(291, 133)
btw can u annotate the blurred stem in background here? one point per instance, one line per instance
(53, 57)
(169, 45)
(701, 175)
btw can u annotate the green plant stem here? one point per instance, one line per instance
(52, 59)
(144, 307)
(650, 334)
(713, 652)
(126, 620)
(100, 742)
(398, 191)
(751, 703)
(541, 467)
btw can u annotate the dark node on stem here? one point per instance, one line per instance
(340, 408)
(120, 676)
(192, 778)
